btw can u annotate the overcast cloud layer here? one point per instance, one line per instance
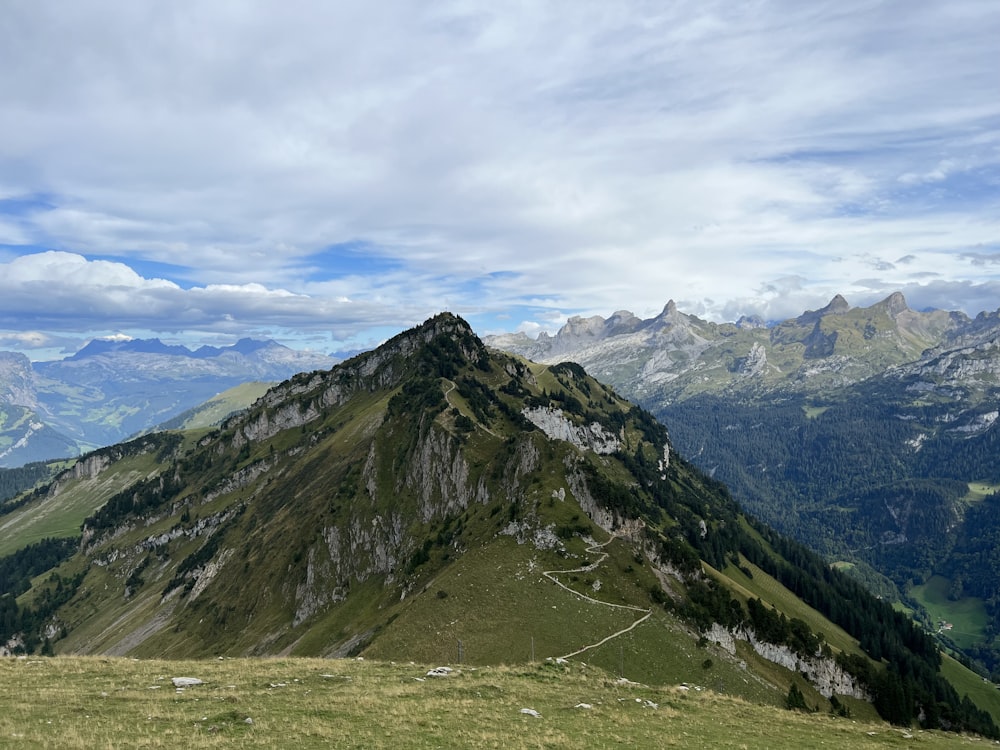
(330, 173)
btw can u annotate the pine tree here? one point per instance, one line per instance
(795, 701)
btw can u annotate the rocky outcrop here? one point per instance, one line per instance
(439, 475)
(754, 363)
(556, 425)
(17, 381)
(823, 672)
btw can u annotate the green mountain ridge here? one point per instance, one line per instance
(436, 500)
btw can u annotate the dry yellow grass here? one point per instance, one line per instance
(93, 702)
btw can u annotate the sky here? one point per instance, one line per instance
(328, 174)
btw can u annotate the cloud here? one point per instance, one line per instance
(65, 291)
(232, 163)
(982, 259)
(27, 340)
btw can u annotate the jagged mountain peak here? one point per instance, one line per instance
(751, 321)
(669, 314)
(836, 306)
(894, 304)
(579, 326)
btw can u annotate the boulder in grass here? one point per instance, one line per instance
(186, 681)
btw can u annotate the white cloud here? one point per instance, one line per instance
(568, 156)
(25, 340)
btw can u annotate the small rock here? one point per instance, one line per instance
(185, 681)
(583, 705)
(248, 720)
(440, 672)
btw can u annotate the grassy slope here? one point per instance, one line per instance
(306, 703)
(982, 692)
(769, 590)
(216, 409)
(967, 615)
(61, 515)
(763, 586)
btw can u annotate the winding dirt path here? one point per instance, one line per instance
(451, 387)
(551, 575)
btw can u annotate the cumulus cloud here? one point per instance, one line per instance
(26, 340)
(546, 158)
(65, 291)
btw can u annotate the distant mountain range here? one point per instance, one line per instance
(112, 389)
(871, 434)
(674, 356)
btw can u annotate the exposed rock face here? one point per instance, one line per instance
(554, 423)
(947, 368)
(895, 304)
(439, 475)
(376, 541)
(837, 306)
(754, 363)
(33, 427)
(17, 381)
(822, 672)
(673, 355)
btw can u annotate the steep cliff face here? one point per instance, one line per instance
(828, 677)
(17, 381)
(554, 423)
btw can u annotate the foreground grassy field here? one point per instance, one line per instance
(93, 702)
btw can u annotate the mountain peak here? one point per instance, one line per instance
(894, 304)
(444, 324)
(578, 326)
(669, 316)
(96, 347)
(837, 306)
